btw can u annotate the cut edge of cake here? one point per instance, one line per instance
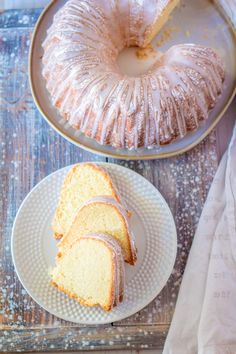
(57, 224)
(130, 254)
(160, 21)
(116, 291)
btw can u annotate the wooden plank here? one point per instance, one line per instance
(79, 338)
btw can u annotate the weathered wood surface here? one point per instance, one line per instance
(30, 150)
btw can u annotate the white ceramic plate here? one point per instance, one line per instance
(193, 22)
(34, 248)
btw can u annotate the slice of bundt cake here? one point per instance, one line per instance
(159, 11)
(92, 271)
(83, 182)
(102, 215)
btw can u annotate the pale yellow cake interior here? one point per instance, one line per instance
(98, 218)
(161, 20)
(81, 184)
(85, 272)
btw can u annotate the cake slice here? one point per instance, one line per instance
(102, 215)
(163, 11)
(92, 271)
(83, 182)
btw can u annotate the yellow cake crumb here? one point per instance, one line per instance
(166, 35)
(145, 53)
(187, 34)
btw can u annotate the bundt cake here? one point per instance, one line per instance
(92, 271)
(83, 182)
(89, 90)
(102, 215)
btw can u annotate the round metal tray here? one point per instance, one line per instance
(200, 22)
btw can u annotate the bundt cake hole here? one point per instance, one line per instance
(133, 66)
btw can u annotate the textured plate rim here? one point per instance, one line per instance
(159, 155)
(127, 313)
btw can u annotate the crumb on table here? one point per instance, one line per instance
(187, 34)
(166, 35)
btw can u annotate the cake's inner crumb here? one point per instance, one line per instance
(145, 53)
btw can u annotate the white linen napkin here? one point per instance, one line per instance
(204, 321)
